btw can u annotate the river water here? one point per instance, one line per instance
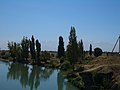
(16, 76)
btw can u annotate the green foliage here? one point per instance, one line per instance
(21, 51)
(81, 49)
(90, 50)
(45, 56)
(72, 47)
(4, 54)
(78, 67)
(97, 52)
(52, 55)
(38, 49)
(14, 49)
(61, 50)
(89, 58)
(62, 59)
(65, 65)
(25, 47)
(77, 81)
(32, 48)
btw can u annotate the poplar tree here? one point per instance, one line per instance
(25, 48)
(32, 48)
(38, 49)
(90, 50)
(15, 50)
(72, 47)
(61, 50)
(81, 49)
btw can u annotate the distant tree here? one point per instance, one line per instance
(72, 47)
(45, 56)
(38, 49)
(97, 52)
(90, 50)
(25, 47)
(61, 50)
(32, 48)
(81, 49)
(11, 49)
(15, 50)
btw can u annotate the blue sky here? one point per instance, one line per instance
(96, 21)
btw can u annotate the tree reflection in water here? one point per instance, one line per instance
(62, 84)
(60, 80)
(17, 71)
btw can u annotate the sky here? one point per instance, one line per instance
(97, 22)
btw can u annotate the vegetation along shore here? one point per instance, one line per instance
(92, 69)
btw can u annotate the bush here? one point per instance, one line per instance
(45, 56)
(78, 68)
(89, 58)
(65, 65)
(77, 81)
(62, 59)
(7, 55)
(97, 52)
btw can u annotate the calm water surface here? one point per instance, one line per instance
(15, 76)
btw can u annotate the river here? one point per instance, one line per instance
(16, 76)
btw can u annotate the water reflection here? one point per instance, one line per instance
(27, 76)
(60, 80)
(63, 84)
(34, 77)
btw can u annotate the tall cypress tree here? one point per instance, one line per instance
(61, 50)
(72, 47)
(32, 48)
(25, 47)
(38, 49)
(81, 49)
(90, 50)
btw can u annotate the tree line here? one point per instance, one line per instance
(28, 48)
(31, 49)
(75, 50)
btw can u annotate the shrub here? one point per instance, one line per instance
(77, 81)
(62, 59)
(97, 52)
(65, 65)
(89, 58)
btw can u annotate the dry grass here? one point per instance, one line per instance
(106, 60)
(104, 64)
(103, 61)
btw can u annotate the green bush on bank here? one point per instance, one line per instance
(65, 65)
(77, 81)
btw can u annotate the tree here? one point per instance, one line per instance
(25, 48)
(81, 49)
(72, 47)
(45, 55)
(61, 50)
(97, 52)
(38, 49)
(90, 50)
(15, 50)
(32, 48)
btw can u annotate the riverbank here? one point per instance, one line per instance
(5, 60)
(52, 63)
(101, 73)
